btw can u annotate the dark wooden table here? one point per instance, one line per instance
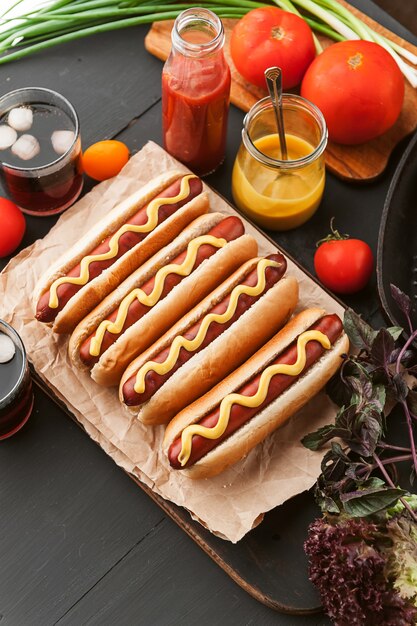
(79, 541)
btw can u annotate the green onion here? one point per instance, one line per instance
(59, 21)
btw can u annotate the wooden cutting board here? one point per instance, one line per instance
(352, 163)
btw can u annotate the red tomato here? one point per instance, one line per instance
(13, 226)
(344, 265)
(358, 87)
(267, 37)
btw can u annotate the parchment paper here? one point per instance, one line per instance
(229, 505)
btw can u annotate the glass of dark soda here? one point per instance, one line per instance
(16, 395)
(40, 150)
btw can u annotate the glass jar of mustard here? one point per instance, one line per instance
(278, 194)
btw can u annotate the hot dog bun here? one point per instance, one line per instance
(221, 356)
(96, 289)
(237, 445)
(160, 317)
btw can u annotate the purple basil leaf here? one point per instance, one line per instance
(400, 387)
(402, 300)
(345, 419)
(412, 401)
(382, 348)
(354, 468)
(359, 332)
(408, 359)
(370, 434)
(333, 467)
(337, 391)
(361, 387)
(365, 444)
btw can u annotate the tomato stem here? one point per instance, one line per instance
(334, 235)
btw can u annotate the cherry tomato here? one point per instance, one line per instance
(105, 159)
(359, 89)
(268, 36)
(13, 226)
(342, 264)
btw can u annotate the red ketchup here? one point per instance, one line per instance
(195, 92)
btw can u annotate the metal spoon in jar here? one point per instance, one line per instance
(281, 184)
(273, 77)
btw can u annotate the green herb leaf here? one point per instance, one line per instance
(370, 500)
(314, 441)
(402, 558)
(326, 503)
(395, 332)
(338, 451)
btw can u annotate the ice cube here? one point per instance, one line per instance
(7, 136)
(7, 348)
(62, 140)
(20, 118)
(26, 147)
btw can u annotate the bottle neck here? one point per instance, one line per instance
(197, 33)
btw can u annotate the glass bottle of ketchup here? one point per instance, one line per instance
(195, 92)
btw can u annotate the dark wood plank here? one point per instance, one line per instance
(171, 581)
(290, 589)
(55, 479)
(68, 515)
(109, 78)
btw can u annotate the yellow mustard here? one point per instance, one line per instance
(193, 344)
(278, 200)
(183, 269)
(250, 401)
(151, 212)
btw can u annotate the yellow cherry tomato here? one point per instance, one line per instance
(105, 159)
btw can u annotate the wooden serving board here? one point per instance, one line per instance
(269, 562)
(352, 163)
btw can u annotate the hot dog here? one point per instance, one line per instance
(211, 340)
(125, 238)
(157, 294)
(223, 426)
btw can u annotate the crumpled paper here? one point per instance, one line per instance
(229, 505)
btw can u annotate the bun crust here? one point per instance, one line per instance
(94, 291)
(160, 317)
(274, 415)
(206, 368)
(190, 318)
